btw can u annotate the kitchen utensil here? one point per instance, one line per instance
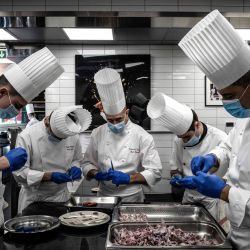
(84, 219)
(31, 224)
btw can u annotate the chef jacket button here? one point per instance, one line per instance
(184, 163)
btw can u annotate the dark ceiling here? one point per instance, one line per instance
(128, 28)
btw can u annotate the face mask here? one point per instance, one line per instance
(193, 141)
(9, 112)
(117, 128)
(235, 108)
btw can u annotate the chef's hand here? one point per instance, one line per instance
(203, 163)
(16, 157)
(75, 173)
(102, 176)
(209, 185)
(60, 177)
(118, 177)
(174, 180)
(187, 182)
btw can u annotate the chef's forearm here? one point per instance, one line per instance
(137, 179)
(91, 174)
(47, 176)
(225, 193)
(4, 163)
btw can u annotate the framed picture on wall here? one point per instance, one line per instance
(135, 76)
(212, 96)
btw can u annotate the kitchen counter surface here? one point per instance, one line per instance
(61, 239)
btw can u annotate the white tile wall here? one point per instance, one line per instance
(172, 73)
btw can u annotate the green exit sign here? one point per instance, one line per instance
(3, 53)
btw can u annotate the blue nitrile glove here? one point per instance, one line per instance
(203, 163)
(17, 157)
(102, 176)
(209, 185)
(187, 182)
(60, 177)
(75, 173)
(174, 180)
(119, 177)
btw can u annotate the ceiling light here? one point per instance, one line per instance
(244, 33)
(89, 34)
(4, 35)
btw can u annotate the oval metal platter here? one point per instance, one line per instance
(84, 219)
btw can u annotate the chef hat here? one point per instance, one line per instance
(30, 108)
(34, 74)
(173, 115)
(215, 46)
(62, 124)
(110, 89)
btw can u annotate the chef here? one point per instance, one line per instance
(31, 115)
(19, 84)
(193, 137)
(54, 157)
(121, 155)
(214, 45)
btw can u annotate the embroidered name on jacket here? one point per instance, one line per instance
(134, 150)
(70, 148)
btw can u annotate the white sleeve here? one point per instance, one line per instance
(176, 157)
(239, 207)
(26, 176)
(150, 161)
(223, 150)
(90, 157)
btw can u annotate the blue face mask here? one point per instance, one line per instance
(234, 107)
(193, 141)
(9, 112)
(117, 128)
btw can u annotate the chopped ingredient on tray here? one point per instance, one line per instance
(159, 235)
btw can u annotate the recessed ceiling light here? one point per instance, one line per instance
(89, 34)
(4, 35)
(244, 33)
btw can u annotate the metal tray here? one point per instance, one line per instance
(165, 212)
(31, 224)
(105, 202)
(199, 228)
(80, 219)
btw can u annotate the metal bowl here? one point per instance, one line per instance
(31, 224)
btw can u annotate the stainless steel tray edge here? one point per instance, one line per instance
(110, 246)
(207, 216)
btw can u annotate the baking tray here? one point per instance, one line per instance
(80, 219)
(200, 228)
(31, 224)
(171, 212)
(102, 202)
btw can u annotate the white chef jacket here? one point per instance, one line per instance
(31, 122)
(2, 188)
(45, 156)
(131, 151)
(236, 153)
(181, 159)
